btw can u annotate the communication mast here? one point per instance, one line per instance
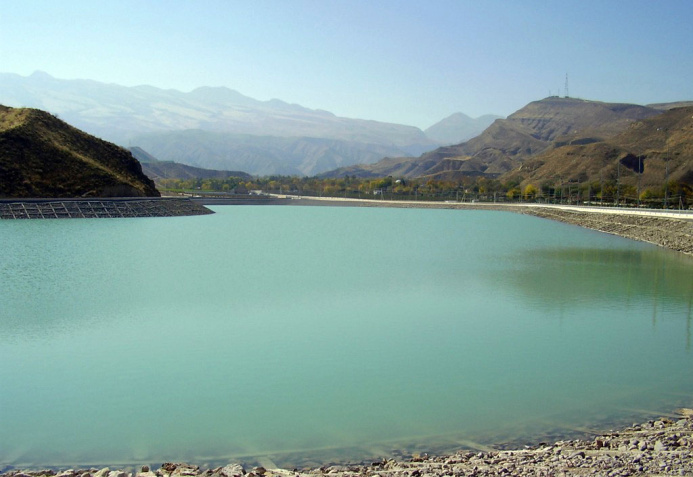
(566, 86)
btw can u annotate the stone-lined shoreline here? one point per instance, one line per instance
(671, 233)
(656, 447)
(99, 208)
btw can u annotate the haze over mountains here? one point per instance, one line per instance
(212, 131)
(156, 169)
(220, 128)
(459, 127)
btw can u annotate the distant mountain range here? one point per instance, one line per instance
(260, 155)
(156, 170)
(42, 156)
(218, 132)
(459, 128)
(508, 143)
(223, 129)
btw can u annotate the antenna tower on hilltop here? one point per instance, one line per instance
(566, 86)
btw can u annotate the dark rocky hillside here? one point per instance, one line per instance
(42, 156)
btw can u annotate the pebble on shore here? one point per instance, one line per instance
(661, 447)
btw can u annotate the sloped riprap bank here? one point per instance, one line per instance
(99, 208)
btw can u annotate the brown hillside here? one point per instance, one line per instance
(554, 119)
(644, 153)
(535, 128)
(507, 143)
(42, 156)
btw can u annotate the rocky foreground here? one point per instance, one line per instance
(661, 447)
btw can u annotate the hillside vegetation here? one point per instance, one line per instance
(42, 156)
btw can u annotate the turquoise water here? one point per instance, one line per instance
(293, 334)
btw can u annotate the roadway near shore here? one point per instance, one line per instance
(670, 229)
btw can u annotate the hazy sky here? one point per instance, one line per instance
(410, 62)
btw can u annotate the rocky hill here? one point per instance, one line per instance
(263, 135)
(645, 153)
(42, 156)
(507, 143)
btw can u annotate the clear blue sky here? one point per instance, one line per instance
(410, 62)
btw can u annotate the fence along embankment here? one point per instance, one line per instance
(99, 208)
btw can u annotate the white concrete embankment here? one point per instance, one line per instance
(671, 213)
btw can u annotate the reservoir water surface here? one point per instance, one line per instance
(291, 334)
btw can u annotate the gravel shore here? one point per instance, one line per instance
(661, 447)
(674, 234)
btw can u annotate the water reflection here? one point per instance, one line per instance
(605, 279)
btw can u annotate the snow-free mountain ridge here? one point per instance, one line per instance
(259, 131)
(459, 127)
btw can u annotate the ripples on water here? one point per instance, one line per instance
(295, 333)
